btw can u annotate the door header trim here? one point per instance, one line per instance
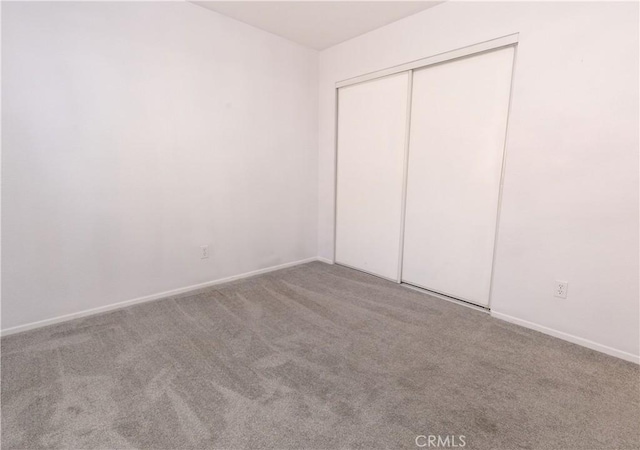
(493, 44)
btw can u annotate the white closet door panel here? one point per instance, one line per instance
(458, 124)
(372, 124)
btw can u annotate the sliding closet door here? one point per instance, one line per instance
(458, 124)
(372, 125)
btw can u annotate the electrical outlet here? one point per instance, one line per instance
(204, 252)
(561, 289)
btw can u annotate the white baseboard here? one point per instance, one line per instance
(89, 312)
(324, 260)
(569, 337)
(148, 298)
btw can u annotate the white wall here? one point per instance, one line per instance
(136, 132)
(570, 199)
(133, 133)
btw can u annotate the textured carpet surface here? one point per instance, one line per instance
(315, 356)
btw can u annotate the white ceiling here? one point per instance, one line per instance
(317, 24)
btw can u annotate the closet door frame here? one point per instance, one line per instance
(510, 40)
(469, 50)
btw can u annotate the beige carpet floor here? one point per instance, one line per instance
(312, 357)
